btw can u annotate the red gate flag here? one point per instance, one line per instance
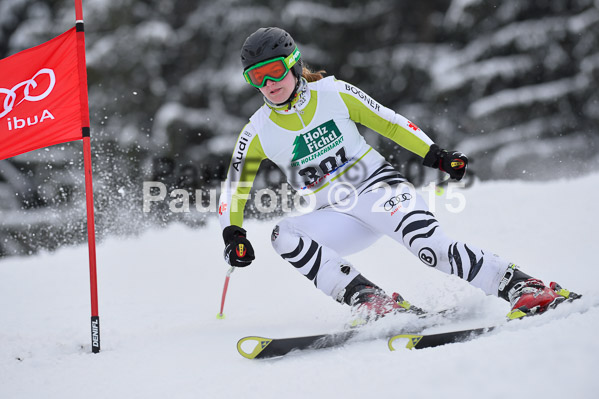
(43, 101)
(40, 103)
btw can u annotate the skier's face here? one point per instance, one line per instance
(279, 92)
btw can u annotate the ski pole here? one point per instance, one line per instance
(440, 185)
(221, 315)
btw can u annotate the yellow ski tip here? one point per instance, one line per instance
(515, 314)
(413, 340)
(250, 347)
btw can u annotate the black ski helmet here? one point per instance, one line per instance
(267, 43)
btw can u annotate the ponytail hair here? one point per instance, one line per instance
(311, 76)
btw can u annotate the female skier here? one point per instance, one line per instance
(307, 128)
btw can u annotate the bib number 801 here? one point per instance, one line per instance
(312, 174)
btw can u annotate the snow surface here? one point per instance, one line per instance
(160, 292)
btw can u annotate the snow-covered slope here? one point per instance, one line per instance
(160, 292)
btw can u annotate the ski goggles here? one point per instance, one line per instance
(274, 69)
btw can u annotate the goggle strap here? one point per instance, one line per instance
(292, 58)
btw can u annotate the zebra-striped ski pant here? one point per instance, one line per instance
(384, 204)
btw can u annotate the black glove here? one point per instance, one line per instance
(452, 162)
(238, 250)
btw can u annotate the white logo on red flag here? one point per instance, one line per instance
(11, 95)
(40, 97)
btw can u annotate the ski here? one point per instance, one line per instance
(255, 347)
(420, 341)
(273, 347)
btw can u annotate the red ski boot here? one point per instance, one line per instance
(531, 296)
(370, 304)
